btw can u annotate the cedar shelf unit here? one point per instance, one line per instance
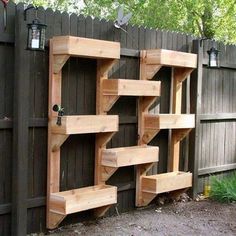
(182, 64)
(100, 196)
(108, 92)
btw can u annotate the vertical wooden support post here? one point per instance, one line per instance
(103, 67)
(144, 104)
(195, 101)
(102, 74)
(20, 128)
(173, 162)
(53, 178)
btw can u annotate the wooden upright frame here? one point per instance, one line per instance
(151, 61)
(59, 204)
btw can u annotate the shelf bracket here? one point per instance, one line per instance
(179, 134)
(108, 101)
(102, 173)
(107, 172)
(180, 74)
(57, 140)
(101, 211)
(54, 219)
(176, 137)
(146, 198)
(58, 62)
(147, 71)
(141, 170)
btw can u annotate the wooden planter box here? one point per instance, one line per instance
(85, 124)
(82, 199)
(85, 47)
(127, 156)
(171, 58)
(169, 121)
(166, 182)
(124, 87)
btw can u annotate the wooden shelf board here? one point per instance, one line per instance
(166, 182)
(170, 58)
(124, 87)
(82, 199)
(127, 156)
(85, 124)
(169, 121)
(85, 47)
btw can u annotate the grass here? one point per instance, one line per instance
(223, 190)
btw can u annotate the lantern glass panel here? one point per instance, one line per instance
(42, 38)
(213, 60)
(36, 36)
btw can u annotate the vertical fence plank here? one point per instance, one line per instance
(196, 96)
(20, 129)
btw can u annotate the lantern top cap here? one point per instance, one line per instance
(36, 22)
(213, 49)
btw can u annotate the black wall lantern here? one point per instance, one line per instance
(213, 60)
(36, 33)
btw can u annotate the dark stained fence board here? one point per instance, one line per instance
(20, 129)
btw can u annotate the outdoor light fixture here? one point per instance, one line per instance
(36, 33)
(213, 61)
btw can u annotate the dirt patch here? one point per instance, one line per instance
(180, 218)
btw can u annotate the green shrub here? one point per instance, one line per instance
(223, 190)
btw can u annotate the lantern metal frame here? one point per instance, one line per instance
(36, 33)
(213, 60)
(212, 52)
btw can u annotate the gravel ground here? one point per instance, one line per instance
(179, 218)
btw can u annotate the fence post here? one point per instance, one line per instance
(195, 108)
(20, 128)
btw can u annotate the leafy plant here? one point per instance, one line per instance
(223, 190)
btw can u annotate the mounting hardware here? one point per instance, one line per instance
(60, 110)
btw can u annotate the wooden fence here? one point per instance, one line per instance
(23, 114)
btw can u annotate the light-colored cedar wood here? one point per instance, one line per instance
(146, 198)
(58, 62)
(102, 174)
(177, 97)
(85, 124)
(82, 199)
(57, 140)
(61, 48)
(176, 136)
(154, 123)
(54, 220)
(141, 171)
(144, 103)
(124, 87)
(166, 182)
(106, 173)
(85, 47)
(101, 211)
(169, 121)
(53, 162)
(170, 58)
(127, 156)
(180, 74)
(147, 72)
(102, 105)
(108, 101)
